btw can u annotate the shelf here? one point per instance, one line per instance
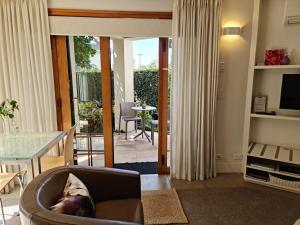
(266, 183)
(263, 67)
(276, 117)
(275, 153)
(273, 171)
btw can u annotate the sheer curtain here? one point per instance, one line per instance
(196, 35)
(26, 66)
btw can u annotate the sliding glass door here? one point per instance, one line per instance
(94, 95)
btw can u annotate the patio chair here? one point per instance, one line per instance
(154, 124)
(49, 162)
(5, 179)
(128, 115)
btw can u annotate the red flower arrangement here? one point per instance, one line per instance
(276, 57)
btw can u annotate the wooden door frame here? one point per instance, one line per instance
(61, 82)
(62, 95)
(107, 101)
(163, 105)
(109, 14)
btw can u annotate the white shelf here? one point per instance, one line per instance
(275, 153)
(264, 125)
(276, 117)
(263, 67)
(266, 183)
(274, 171)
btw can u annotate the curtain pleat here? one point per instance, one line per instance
(26, 73)
(196, 35)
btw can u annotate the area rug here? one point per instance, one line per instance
(162, 207)
(240, 206)
(141, 167)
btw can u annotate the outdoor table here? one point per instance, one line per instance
(28, 148)
(143, 110)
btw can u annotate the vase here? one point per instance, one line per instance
(5, 126)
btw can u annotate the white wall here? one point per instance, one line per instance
(112, 27)
(234, 53)
(60, 25)
(123, 77)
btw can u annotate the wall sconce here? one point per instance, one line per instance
(232, 31)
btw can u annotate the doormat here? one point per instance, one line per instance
(141, 167)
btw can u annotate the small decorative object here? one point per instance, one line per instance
(285, 60)
(141, 102)
(143, 105)
(260, 104)
(276, 57)
(7, 112)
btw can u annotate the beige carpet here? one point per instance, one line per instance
(162, 207)
(240, 206)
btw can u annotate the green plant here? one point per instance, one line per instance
(148, 119)
(90, 112)
(83, 50)
(8, 108)
(146, 87)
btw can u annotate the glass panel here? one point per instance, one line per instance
(169, 101)
(135, 70)
(87, 99)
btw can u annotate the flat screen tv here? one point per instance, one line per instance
(290, 92)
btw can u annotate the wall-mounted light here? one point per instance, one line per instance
(232, 31)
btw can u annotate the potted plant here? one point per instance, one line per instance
(93, 114)
(7, 112)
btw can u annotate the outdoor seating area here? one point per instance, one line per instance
(125, 151)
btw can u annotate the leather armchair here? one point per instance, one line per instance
(116, 194)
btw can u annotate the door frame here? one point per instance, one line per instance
(107, 101)
(61, 81)
(163, 73)
(63, 102)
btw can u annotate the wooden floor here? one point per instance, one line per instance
(223, 180)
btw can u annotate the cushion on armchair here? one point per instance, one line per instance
(76, 199)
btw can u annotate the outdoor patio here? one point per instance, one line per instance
(125, 151)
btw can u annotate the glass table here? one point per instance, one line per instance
(28, 148)
(143, 110)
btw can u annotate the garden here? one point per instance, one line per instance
(90, 102)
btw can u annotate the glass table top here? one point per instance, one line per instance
(27, 145)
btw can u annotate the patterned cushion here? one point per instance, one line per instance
(76, 199)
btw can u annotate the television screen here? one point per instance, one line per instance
(290, 92)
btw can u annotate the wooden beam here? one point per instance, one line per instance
(56, 84)
(61, 81)
(109, 13)
(163, 106)
(107, 101)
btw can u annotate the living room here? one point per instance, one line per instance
(227, 137)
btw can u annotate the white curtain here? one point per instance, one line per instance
(196, 35)
(26, 73)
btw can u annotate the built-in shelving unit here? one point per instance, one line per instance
(276, 117)
(271, 143)
(265, 67)
(282, 164)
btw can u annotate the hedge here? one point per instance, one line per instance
(91, 81)
(145, 86)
